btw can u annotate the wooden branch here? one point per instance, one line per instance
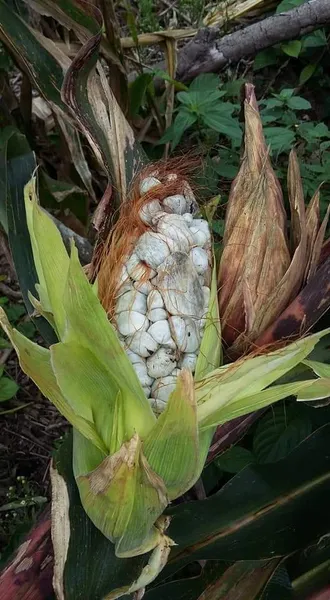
(208, 52)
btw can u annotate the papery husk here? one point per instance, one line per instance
(255, 255)
(315, 235)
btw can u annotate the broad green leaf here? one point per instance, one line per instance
(91, 563)
(87, 324)
(183, 120)
(171, 447)
(205, 82)
(254, 514)
(288, 5)
(306, 73)
(292, 48)
(235, 459)
(265, 58)
(8, 388)
(279, 431)
(35, 362)
(220, 121)
(316, 39)
(137, 91)
(298, 103)
(279, 138)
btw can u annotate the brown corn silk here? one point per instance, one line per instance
(129, 227)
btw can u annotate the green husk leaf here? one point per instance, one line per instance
(52, 265)
(247, 378)
(81, 379)
(35, 362)
(171, 447)
(123, 497)
(87, 325)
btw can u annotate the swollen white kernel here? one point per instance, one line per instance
(199, 259)
(132, 300)
(188, 361)
(152, 249)
(163, 387)
(156, 314)
(149, 211)
(160, 332)
(143, 376)
(178, 283)
(201, 232)
(178, 329)
(147, 184)
(137, 270)
(145, 287)
(176, 228)
(130, 321)
(133, 357)
(193, 338)
(147, 391)
(155, 300)
(207, 294)
(176, 204)
(142, 343)
(188, 218)
(158, 406)
(161, 363)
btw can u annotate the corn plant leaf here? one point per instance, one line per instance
(87, 325)
(45, 71)
(92, 569)
(87, 93)
(35, 362)
(311, 389)
(188, 588)
(20, 170)
(233, 390)
(254, 514)
(171, 447)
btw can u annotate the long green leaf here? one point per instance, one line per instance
(262, 512)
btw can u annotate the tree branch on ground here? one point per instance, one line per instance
(209, 52)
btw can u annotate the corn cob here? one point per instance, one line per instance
(162, 295)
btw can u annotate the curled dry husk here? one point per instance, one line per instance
(260, 272)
